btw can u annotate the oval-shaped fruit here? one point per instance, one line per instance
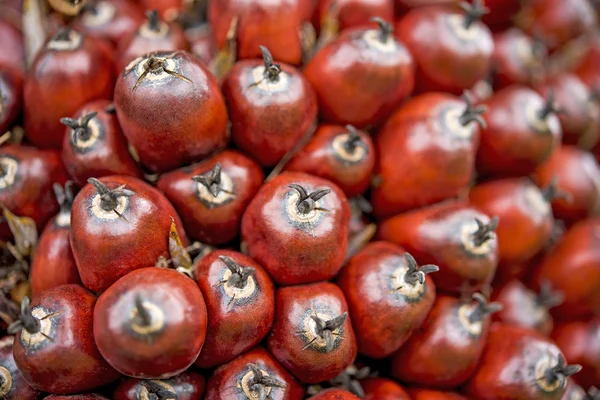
(383, 389)
(517, 59)
(89, 396)
(11, 98)
(334, 394)
(12, 384)
(430, 394)
(12, 50)
(111, 20)
(188, 385)
(352, 13)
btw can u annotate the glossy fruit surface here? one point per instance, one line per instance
(334, 394)
(354, 13)
(501, 13)
(12, 384)
(112, 20)
(11, 98)
(517, 59)
(383, 389)
(12, 50)
(185, 386)
(151, 323)
(430, 394)
(90, 396)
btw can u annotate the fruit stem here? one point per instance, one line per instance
(144, 317)
(547, 297)
(156, 391)
(385, 29)
(64, 197)
(109, 197)
(325, 328)
(272, 70)
(239, 274)
(211, 180)
(552, 192)
(350, 380)
(561, 369)
(354, 140)
(484, 232)
(473, 12)
(27, 320)
(415, 273)
(153, 20)
(483, 308)
(308, 202)
(471, 113)
(593, 393)
(81, 130)
(62, 35)
(260, 381)
(550, 106)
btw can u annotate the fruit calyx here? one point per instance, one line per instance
(483, 308)
(157, 391)
(473, 12)
(211, 180)
(472, 113)
(143, 316)
(547, 297)
(484, 232)
(62, 35)
(157, 65)
(260, 382)
(552, 192)
(349, 380)
(64, 197)
(153, 21)
(272, 70)
(80, 128)
(353, 140)
(593, 393)
(385, 29)
(550, 107)
(308, 202)
(559, 371)
(109, 198)
(27, 320)
(415, 273)
(324, 329)
(239, 274)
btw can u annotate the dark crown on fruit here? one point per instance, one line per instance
(260, 382)
(415, 273)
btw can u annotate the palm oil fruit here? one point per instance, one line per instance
(188, 385)
(120, 223)
(353, 13)
(12, 384)
(70, 70)
(446, 350)
(296, 227)
(388, 295)
(382, 389)
(452, 235)
(312, 336)
(334, 394)
(170, 109)
(151, 323)
(54, 333)
(441, 166)
(11, 98)
(431, 394)
(361, 76)
(271, 106)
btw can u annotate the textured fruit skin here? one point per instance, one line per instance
(223, 384)
(501, 13)
(204, 220)
(188, 385)
(191, 126)
(268, 117)
(90, 396)
(294, 306)
(323, 156)
(470, 50)
(70, 362)
(112, 20)
(514, 59)
(14, 388)
(334, 394)
(571, 267)
(440, 167)
(579, 175)
(445, 351)
(120, 246)
(106, 155)
(514, 146)
(11, 87)
(161, 354)
(580, 342)
(12, 50)
(273, 24)
(355, 13)
(30, 195)
(293, 250)
(511, 349)
(439, 235)
(430, 394)
(235, 325)
(60, 82)
(383, 389)
(383, 318)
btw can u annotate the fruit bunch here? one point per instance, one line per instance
(291, 199)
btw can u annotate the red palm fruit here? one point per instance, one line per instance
(122, 224)
(517, 58)
(271, 107)
(522, 132)
(54, 346)
(446, 350)
(578, 175)
(404, 5)
(312, 336)
(12, 49)
(334, 394)
(383, 389)
(456, 237)
(361, 76)
(12, 384)
(345, 156)
(68, 72)
(240, 299)
(388, 295)
(526, 308)
(520, 364)
(212, 196)
(152, 36)
(202, 41)
(26, 178)
(576, 392)
(94, 145)
(11, 98)
(88, 396)
(580, 343)
(430, 394)
(571, 267)
(274, 24)
(439, 167)
(191, 127)
(354, 13)
(296, 227)
(188, 385)
(252, 375)
(524, 213)
(458, 51)
(53, 263)
(111, 20)
(501, 13)
(587, 69)
(151, 323)
(168, 9)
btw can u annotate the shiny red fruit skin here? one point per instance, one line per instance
(578, 174)
(226, 381)
(580, 343)
(11, 97)
(292, 332)
(514, 59)
(440, 167)
(383, 389)
(525, 216)
(90, 396)
(355, 13)
(360, 79)
(383, 316)
(166, 8)
(292, 247)
(160, 354)
(13, 386)
(442, 235)
(501, 13)
(68, 362)
(571, 267)
(430, 394)
(208, 219)
(238, 318)
(167, 137)
(12, 50)
(586, 69)
(449, 58)
(103, 239)
(112, 20)
(273, 24)
(515, 140)
(188, 385)
(60, 82)
(26, 189)
(325, 156)
(105, 153)
(268, 117)
(334, 394)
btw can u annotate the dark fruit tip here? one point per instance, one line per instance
(239, 274)
(153, 20)
(157, 391)
(552, 192)
(473, 12)
(483, 308)
(415, 273)
(109, 197)
(64, 196)
(547, 297)
(63, 34)
(550, 106)
(307, 202)
(26, 321)
(272, 70)
(211, 180)
(354, 140)
(484, 232)
(472, 113)
(144, 317)
(385, 28)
